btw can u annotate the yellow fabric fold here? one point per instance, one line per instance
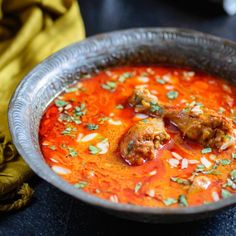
(30, 30)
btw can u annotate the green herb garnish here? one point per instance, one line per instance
(71, 90)
(120, 107)
(94, 150)
(225, 193)
(180, 181)
(169, 201)
(154, 107)
(60, 103)
(172, 95)
(233, 155)
(160, 81)
(67, 131)
(110, 86)
(233, 175)
(80, 110)
(72, 152)
(123, 77)
(91, 126)
(81, 184)
(225, 162)
(130, 146)
(221, 110)
(206, 150)
(182, 200)
(137, 187)
(53, 147)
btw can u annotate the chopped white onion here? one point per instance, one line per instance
(79, 137)
(169, 87)
(184, 163)
(176, 155)
(205, 162)
(173, 162)
(193, 161)
(68, 106)
(154, 92)
(52, 159)
(143, 79)
(226, 88)
(227, 144)
(197, 110)
(88, 137)
(141, 116)
(60, 170)
(151, 193)
(114, 198)
(104, 145)
(115, 122)
(215, 196)
(154, 172)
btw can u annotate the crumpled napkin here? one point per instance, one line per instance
(30, 30)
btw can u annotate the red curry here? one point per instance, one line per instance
(81, 130)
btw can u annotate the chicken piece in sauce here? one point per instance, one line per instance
(143, 101)
(203, 125)
(142, 139)
(195, 122)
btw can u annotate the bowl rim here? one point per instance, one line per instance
(49, 176)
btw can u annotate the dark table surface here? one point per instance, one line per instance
(54, 213)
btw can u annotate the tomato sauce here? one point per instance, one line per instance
(81, 129)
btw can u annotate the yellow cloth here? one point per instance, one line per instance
(30, 30)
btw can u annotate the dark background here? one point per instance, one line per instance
(54, 213)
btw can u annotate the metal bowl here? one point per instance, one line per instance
(168, 46)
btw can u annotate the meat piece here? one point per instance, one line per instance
(143, 101)
(142, 139)
(195, 122)
(203, 125)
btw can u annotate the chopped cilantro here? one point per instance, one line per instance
(91, 126)
(200, 168)
(72, 152)
(53, 147)
(172, 95)
(169, 201)
(80, 110)
(67, 131)
(180, 181)
(221, 110)
(225, 162)
(122, 78)
(71, 90)
(233, 175)
(137, 187)
(182, 200)
(110, 86)
(154, 107)
(160, 81)
(225, 193)
(94, 150)
(230, 184)
(206, 150)
(81, 184)
(130, 146)
(120, 107)
(60, 103)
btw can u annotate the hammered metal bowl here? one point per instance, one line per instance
(168, 46)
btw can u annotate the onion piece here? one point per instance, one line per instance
(104, 145)
(205, 162)
(60, 170)
(88, 137)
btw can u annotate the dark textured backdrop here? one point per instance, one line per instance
(55, 213)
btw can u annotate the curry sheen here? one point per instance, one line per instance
(81, 130)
